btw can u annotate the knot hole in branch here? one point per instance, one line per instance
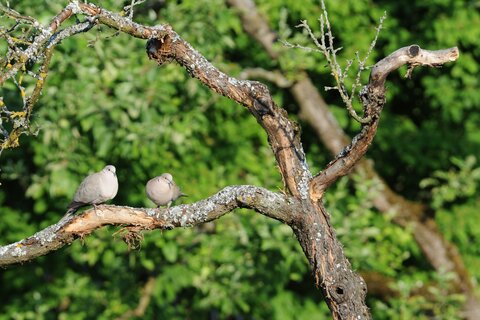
(262, 101)
(413, 50)
(345, 288)
(339, 293)
(160, 49)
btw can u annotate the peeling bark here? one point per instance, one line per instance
(270, 204)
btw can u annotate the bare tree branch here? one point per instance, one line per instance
(284, 135)
(273, 205)
(373, 99)
(412, 56)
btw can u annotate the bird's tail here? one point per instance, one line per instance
(73, 207)
(183, 194)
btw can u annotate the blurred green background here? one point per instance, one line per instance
(106, 103)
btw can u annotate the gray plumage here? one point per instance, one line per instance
(162, 190)
(95, 189)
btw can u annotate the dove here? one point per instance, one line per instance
(95, 189)
(162, 190)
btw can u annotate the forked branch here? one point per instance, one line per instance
(373, 99)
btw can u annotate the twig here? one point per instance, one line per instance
(129, 9)
(326, 47)
(9, 12)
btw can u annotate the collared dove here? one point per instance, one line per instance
(95, 189)
(162, 190)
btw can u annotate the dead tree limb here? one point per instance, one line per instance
(373, 99)
(271, 204)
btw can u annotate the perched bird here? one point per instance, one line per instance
(95, 189)
(162, 190)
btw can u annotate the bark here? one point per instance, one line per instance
(69, 228)
(441, 254)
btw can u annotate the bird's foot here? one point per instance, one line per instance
(97, 212)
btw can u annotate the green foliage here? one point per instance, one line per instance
(440, 304)
(456, 184)
(104, 102)
(374, 242)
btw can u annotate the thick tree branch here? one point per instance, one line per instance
(271, 204)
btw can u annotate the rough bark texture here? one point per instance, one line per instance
(302, 208)
(442, 255)
(343, 289)
(270, 204)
